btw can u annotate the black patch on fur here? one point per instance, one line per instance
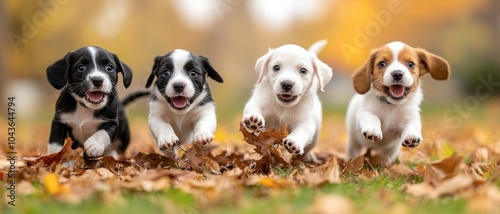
(197, 64)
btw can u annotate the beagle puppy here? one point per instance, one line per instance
(287, 93)
(385, 114)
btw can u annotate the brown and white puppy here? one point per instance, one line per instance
(385, 114)
(286, 93)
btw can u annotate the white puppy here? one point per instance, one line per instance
(385, 115)
(286, 93)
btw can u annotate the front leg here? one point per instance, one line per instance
(163, 132)
(58, 134)
(412, 133)
(370, 126)
(253, 120)
(299, 137)
(204, 128)
(96, 144)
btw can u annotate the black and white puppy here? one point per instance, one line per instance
(88, 109)
(182, 110)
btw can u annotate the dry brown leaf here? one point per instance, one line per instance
(66, 154)
(266, 145)
(444, 169)
(355, 165)
(400, 170)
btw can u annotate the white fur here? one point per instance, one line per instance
(96, 144)
(82, 122)
(84, 126)
(53, 148)
(180, 58)
(168, 126)
(302, 116)
(171, 127)
(391, 124)
(407, 80)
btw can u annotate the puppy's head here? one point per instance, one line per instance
(181, 79)
(293, 71)
(91, 75)
(394, 71)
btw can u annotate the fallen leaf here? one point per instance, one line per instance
(51, 183)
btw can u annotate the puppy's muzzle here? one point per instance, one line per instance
(287, 85)
(397, 75)
(179, 87)
(97, 81)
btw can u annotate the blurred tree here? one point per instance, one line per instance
(3, 31)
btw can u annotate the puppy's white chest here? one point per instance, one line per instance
(82, 122)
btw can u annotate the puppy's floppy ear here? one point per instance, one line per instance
(211, 72)
(126, 71)
(156, 66)
(262, 64)
(323, 72)
(433, 64)
(361, 78)
(58, 73)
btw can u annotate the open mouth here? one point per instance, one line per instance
(286, 97)
(95, 97)
(179, 102)
(397, 92)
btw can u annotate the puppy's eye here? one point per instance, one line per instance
(276, 68)
(381, 64)
(411, 64)
(303, 71)
(193, 73)
(109, 68)
(82, 68)
(167, 73)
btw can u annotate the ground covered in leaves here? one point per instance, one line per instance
(455, 170)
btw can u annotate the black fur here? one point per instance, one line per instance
(199, 64)
(65, 74)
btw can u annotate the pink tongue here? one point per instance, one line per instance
(286, 96)
(397, 90)
(95, 96)
(180, 102)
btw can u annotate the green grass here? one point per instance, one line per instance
(366, 196)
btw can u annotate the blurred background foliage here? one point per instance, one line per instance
(234, 33)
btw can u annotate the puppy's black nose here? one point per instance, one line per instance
(179, 87)
(287, 85)
(97, 81)
(397, 75)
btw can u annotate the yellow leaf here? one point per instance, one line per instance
(51, 183)
(272, 183)
(447, 151)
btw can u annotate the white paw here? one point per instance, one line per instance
(53, 148)
(254, 123)
(94, 148)
(291, 145)
(167, 142)
(411, 140)
(372, 134)
(203, 138)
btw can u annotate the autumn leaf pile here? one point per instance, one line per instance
(450, 164)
